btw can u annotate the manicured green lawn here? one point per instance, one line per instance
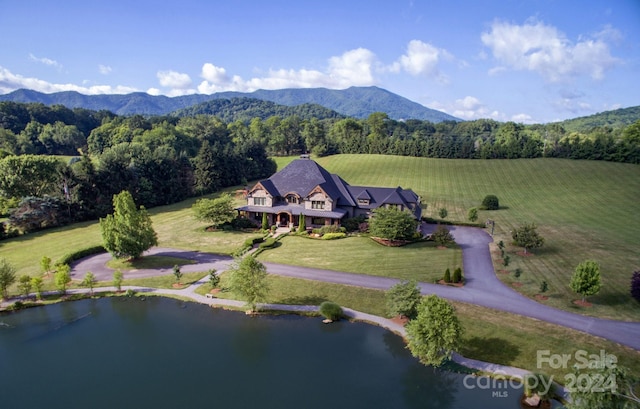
(584, 209)
(420, 261)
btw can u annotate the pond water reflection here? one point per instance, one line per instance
(162, 353)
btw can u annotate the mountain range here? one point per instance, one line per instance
(357, 102)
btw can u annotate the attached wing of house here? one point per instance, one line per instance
(305, 188)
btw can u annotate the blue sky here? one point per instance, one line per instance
(528, 61)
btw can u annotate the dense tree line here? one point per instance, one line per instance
(161, 160)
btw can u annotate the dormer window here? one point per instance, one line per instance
(317, 204)
(293, 199)
(259, 201)
(363, 201)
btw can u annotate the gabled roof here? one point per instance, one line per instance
(301, 176)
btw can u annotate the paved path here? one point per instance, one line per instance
(482, 286)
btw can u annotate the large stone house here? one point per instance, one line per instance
(304, 187)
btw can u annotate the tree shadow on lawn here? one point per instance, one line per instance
(498, 350)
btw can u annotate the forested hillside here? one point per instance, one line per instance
(357, 102)
(616, 119)
(163, 159)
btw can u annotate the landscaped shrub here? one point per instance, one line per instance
(331, 310)
(333, 236)
(268, 243)
(353, 224)
(253, 240)
(329, 229)
(457, 275)
(447, 276)
(243, 223)
(490, 202)
(77, 255)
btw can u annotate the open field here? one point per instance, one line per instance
(584, 209)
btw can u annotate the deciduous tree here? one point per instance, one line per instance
(37, 283)
(435, 333)
(128, 232)
(443, 213)
(248, 280)
(527, 236)
(62, 277)
(442, 236)
(586, 279)
(89, 281)
(392, 224)
(215, 211)
(7, 276)
(117, 279)
(24, 285)
(403, 299)
(472, 214)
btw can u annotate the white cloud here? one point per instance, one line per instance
(541, 48)
(468, 108)
(423, 59)
(173, 79)
(11, 82)
(353, 68)
(45, 61)
(104, 69)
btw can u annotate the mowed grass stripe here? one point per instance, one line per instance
(584, 209)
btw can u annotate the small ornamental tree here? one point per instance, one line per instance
(586, 279)
(490, 202)
(505, 260)
(265, 221)
(177, 273)
(37, 283)
(392, 224)
(117, 279)
(214, 279)
(302, 226)
(517, 273)
(443, 213)
(62, 277)
(403, 299)
(89, 281)
(128, 232)
(45, 264)
(248, 280)
(447, 276)
(216, 211)
(472, 214)
(7, 276)
(544, 287)
(635, 285)
(442, 236)
(526, 236)
(435, 332)
(24, 285)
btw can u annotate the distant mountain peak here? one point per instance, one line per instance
(357, 102)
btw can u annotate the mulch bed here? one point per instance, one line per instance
(461, 284)
(390, 243)
(517, 284)
(400, 320)
(581, 303)
(541, 297)
(504, 271)
(176, 285)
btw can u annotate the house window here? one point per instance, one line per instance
(259, 201)
(292, 199)
(317, 204)
(363, 201)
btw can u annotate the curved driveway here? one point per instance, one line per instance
(482, 286)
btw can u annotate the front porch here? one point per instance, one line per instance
(289, 216)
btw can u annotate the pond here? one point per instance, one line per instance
(164, 353)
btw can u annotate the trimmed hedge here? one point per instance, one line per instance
(334, 236)
(77, 255)
(268, 243)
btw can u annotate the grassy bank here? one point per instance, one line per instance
(489, 335)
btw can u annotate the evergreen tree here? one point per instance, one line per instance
(128, 232)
